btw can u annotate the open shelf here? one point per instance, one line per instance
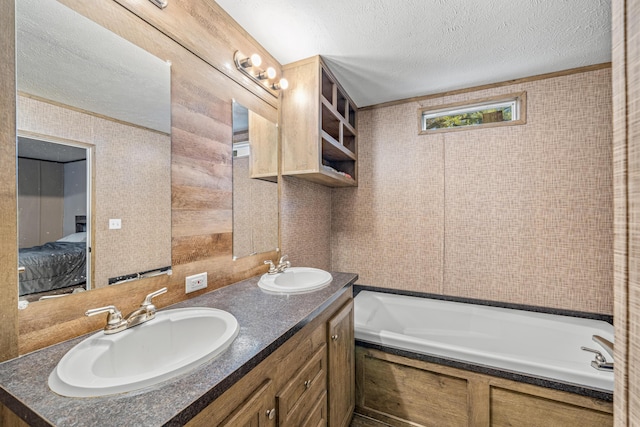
(324, 151)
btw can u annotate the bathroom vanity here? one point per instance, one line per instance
(292, 364)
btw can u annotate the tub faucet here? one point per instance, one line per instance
(283, 264)
(600, 363)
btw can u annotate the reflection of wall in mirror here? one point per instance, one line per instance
(75, 199)
(52, 190)
(263, 139)
(40, 202)
(132, 182)
(255, 211)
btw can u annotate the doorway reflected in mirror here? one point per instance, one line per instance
(54, 188)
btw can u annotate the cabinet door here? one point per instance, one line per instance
(300, 394)
(258, 410)
(341, 367)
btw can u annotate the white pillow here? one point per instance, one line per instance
(75, 237)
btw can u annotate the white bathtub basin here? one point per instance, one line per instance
(173, 343)
(539, 344)
(295, 280)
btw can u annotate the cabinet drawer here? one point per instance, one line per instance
(301, 392)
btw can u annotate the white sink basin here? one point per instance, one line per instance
(295, 280)
(173, 343)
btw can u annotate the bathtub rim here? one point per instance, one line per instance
(357, 288)
(578, 389)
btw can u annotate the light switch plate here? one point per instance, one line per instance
(115, 224)
(195, 282)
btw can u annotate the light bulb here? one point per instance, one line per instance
(252, 61)
(269, 74)
(281, 85)
(255, 60)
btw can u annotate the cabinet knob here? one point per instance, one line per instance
(271, 413)
(334, 337)
(307, 384)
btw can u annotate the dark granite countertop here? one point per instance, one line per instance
(266, 322)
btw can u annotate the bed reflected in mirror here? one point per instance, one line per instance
(54, 188)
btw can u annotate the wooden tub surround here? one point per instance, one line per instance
(418, 386)
(401, 391)
(292, 364)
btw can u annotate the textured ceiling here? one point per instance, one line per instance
(64, 57)
(385, 50)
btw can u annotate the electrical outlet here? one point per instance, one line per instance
(195, 282)
(115, 224)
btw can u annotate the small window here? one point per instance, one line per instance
(498, 111)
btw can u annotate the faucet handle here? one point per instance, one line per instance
(147, 300)
(283, 258)
(272, 267)
(115, 323)
(114, 316)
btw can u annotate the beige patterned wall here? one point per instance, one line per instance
(305, 223)
(255, 211)
(521, 214)
(132, 183)
(390, 228)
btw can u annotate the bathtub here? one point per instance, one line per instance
(534, 344)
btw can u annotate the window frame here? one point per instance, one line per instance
(519, 98)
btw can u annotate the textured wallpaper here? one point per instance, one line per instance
(521, 214)
(305, 223)
(255, 212)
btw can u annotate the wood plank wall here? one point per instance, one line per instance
(199, 39)
(8, 213)
(626, 113)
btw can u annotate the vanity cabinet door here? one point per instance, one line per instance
(258, 410)
(341, 366)
(300, 394)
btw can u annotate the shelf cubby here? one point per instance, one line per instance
(319, 137)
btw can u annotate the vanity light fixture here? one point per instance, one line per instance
(160, 3)
(249, 66)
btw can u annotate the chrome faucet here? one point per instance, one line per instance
(600, 363)
(283, 264)
(115, 321)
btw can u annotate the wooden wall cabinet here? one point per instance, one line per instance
(299, 384)
(407, 392)
(319, 137)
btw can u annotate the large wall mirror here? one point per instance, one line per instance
(255, 189)
(94, 154)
